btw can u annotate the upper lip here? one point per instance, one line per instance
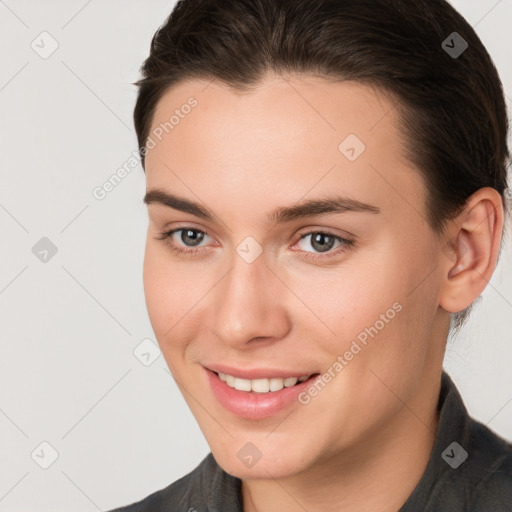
(256, 373)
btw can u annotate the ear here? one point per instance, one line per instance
(471, 253)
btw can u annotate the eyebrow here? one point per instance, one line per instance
(310, 208)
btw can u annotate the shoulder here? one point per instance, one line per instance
(491, 482)
(470, 467)
(188, 494)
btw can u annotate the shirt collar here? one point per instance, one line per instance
(448, 451)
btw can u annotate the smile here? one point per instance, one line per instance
(259, 397)
(261, 385)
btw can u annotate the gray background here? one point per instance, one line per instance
(70, 324)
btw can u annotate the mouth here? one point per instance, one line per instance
(264, 385)
(258, 398)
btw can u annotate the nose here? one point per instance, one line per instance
(249, 305)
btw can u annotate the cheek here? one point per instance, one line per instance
(369, 302)
(174, 293)
(347, 299)
(167, 299)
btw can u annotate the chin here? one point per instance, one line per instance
(249, 462)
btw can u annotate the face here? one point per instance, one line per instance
(255, 285)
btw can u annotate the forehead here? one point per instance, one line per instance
(284, 137)
(314, 101)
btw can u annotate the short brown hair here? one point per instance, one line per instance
(452, 108)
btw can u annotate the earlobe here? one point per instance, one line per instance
(473, 250)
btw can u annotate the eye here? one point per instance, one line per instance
(187, 242)
(324, 241)
(189, 235)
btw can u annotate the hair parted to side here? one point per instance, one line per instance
(452, 111)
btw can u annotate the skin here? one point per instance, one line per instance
(364, 441)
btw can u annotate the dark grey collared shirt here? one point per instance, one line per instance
(470, 470)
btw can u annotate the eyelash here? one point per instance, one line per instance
(345, 243)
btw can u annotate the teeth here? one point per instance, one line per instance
(276, 384)
(243, 384)
(261, 385)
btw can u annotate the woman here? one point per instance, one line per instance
(326, 196)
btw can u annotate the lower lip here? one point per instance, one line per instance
(253, 405)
